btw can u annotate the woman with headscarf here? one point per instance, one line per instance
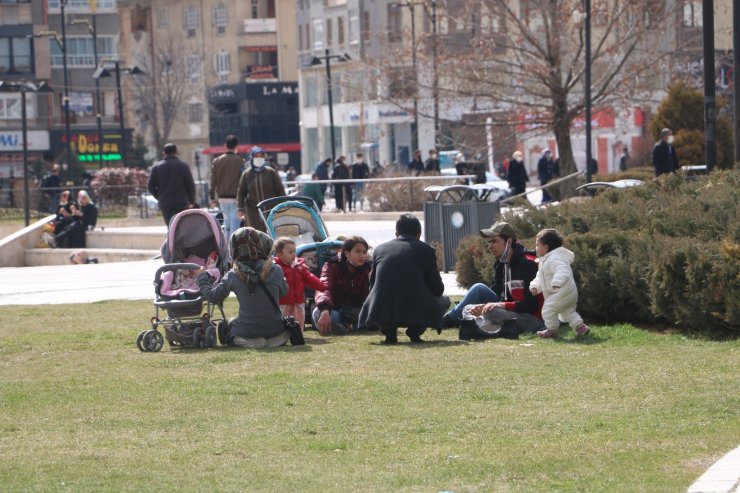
(254, 278)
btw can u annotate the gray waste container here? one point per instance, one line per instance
(454, 213)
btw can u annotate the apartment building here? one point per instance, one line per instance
(22, 60)
(89, 38)
(377, 88)
(238, 74)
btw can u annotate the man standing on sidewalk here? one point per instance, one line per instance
(257, 183)
(225, 173)
(171, 183)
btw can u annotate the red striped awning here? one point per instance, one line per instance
(245, 148)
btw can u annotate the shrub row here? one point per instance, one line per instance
(665, 251)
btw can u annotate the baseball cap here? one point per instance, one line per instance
(497, 229)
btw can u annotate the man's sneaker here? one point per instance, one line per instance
(582, 330)
(548, 334)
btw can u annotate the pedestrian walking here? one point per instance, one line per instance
(226, 171)
(171, 183)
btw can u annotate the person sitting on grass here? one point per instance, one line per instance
(508, 296)
(254, 278)
(555, 281)
(347, 276)
(298, 277)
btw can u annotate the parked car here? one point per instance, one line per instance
(595, 187)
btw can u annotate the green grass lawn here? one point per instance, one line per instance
(81, 409)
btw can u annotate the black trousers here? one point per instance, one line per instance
(411, 331)
(169, 212)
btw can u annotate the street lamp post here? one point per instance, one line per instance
(317, 60)
(101, 71)
(63, 47)
(587, 86)
(92, 28)
(23, 87)
(435, 80)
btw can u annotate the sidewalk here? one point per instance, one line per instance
(63, 284)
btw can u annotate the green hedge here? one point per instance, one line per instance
(666, 251)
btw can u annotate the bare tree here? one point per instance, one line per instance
(527, 57)
(159, 95)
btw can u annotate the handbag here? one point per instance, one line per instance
(289, 323)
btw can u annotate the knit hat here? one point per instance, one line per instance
(498, 229)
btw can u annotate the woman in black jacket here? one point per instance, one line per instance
(517, 176)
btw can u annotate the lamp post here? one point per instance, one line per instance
(63, 47)
(435, 80)
(587, 86)
(101, 71)
(317, 60)
(23, 87)
(92, 28)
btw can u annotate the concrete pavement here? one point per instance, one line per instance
(63, 284)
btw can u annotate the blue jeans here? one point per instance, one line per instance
(338, 326)
(477, 294)
(231, 222)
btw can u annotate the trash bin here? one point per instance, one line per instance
(455, 212)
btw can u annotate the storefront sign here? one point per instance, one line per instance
(268, 90)
(12, 140)
(262, 72)
(261, 25)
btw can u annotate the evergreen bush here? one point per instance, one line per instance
(664, 251)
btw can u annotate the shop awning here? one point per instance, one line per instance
(245, 148)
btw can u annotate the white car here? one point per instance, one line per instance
(597, 186)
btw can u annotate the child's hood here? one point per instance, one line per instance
(561, 253)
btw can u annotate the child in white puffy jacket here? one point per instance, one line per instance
(555, 281)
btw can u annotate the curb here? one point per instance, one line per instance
(722, 477)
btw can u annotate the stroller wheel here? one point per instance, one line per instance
(197, 338)
(210, 336)
(139, 340)
(152, 341)
(223, 332)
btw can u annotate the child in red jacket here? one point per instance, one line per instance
(298, 277)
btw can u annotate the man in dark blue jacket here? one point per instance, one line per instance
(171, 183)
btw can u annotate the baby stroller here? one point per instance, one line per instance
(298, 217)
(195, 240)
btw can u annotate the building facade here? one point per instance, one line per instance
(22, 59)
(375, 90)
(221, 49)
(89, 39)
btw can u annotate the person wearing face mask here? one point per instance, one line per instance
(508, 294)
(664, 154)
(257, 183)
